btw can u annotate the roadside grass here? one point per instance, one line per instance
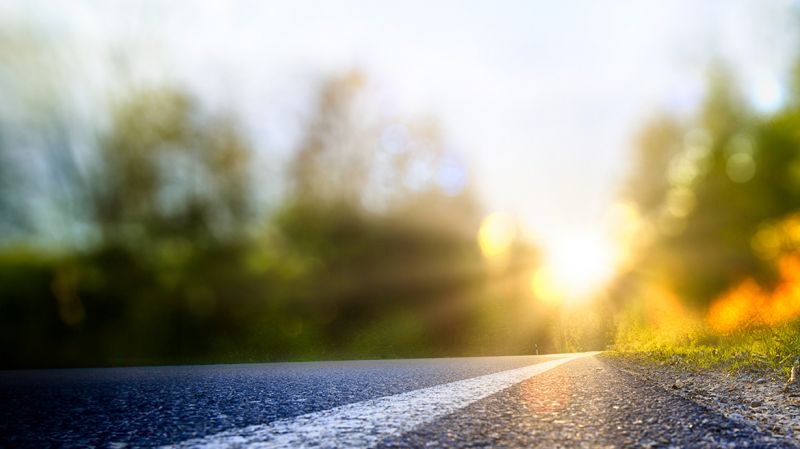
(693, 345)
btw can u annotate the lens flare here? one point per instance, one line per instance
(496, 234)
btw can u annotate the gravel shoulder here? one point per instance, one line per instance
(590, 403)
(761, 399)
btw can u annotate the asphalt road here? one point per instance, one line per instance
(547, 401)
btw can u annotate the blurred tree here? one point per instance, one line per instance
(168, 169)
(372, 254)
(332, 163)
(657, 144)
(386, 213)
(356, 157)
(724, 175)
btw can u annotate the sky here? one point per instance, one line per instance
(540, 98)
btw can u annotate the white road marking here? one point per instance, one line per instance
(364, 424)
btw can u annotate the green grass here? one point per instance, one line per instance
(694, 346)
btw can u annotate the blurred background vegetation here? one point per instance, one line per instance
(140, 237)
(715, 195)
(141, 224)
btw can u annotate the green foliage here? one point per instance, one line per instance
(730, 174)
(180, 264)
(168, 169)
(706, 185)
(762, 349)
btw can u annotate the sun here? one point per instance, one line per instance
(575, 266)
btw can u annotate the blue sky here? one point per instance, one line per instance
(540, 98)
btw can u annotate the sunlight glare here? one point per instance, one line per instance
(578, 265)
(545, 287)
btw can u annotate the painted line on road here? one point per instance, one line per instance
(366, 423)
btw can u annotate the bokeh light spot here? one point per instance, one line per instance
(496, 234)
(452, 177)
(768, 94)
(740, 167)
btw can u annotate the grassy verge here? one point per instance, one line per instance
(692, 345)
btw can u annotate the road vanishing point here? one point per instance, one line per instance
(563, 400)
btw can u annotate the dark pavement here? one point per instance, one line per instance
(586, 403)
(582, 403)
(152, 406)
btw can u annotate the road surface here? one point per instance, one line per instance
(571, 400)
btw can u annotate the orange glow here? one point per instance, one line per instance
(737, 308)
(664, 309)
(748, 304)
